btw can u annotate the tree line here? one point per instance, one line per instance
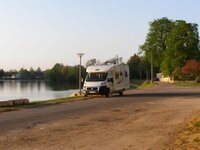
(64, 73)
(22, 74)
(58, 73)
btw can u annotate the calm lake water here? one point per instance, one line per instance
(34, 90)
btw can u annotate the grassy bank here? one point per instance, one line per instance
(3, 109)
(189, 136)
(57, 101)
(43, 103)
(147, 84)
(187, 83)
(143, 83)
(137, 82)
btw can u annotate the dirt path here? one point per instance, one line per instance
(142, 119)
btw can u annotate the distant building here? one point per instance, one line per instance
(17, 76)
(162, 78)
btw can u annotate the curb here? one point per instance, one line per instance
(14, 102)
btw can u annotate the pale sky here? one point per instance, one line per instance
(40, 33)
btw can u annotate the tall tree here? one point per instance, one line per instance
(182, 45)
(173, 43)
(32, 73)
(39, 73)
(156, 39)
(24, 73)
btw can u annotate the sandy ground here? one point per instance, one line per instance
(141, 120)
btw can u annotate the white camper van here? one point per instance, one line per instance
(106, 79)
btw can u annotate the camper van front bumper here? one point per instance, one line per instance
(95, 90)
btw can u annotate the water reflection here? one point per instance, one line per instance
(1, 85)
(34, 90)
(60, 86)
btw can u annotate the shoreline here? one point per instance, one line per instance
(42, 103)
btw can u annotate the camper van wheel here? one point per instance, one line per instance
(85, 95)
(108, 92)
(121, 93)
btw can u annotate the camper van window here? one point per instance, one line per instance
(100, 76)
(116, 75)
(126, 74)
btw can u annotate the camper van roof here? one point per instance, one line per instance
(102, 68)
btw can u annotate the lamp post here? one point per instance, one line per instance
(80, 56)
(140, 56)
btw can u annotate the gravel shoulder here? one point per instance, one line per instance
(141, 119)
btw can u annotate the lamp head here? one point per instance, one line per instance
(80, 54)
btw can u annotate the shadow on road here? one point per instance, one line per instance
(164, 95)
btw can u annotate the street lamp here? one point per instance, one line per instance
(80, 56)
(140, 56)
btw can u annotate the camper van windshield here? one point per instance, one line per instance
(96, 76)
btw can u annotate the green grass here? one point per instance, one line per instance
(187, 83)
(138, 82)
(4, 109)
(147, 84)
(43, 103)
(143, 83)
(56, 101)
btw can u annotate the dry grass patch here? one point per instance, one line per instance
(189, 136)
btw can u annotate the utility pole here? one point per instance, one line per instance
(152, 60)
(152, 64)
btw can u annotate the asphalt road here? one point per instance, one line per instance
(141, 119)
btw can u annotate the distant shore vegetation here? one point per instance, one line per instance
(58, 73)
(21, 74)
